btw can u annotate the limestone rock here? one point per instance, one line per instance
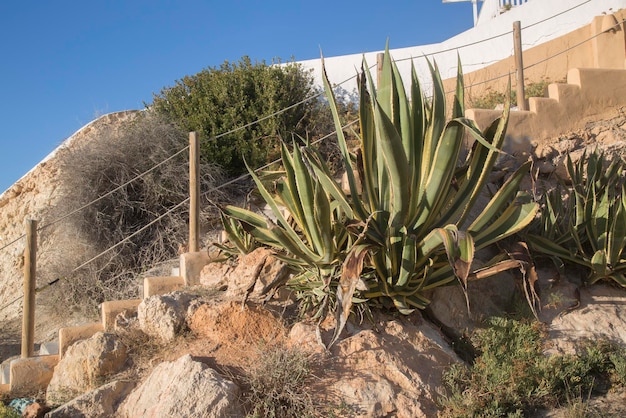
(99, 403)
(184, 388)
(164, 316)
(254, 275)
(488, 297)
(392, 369)
(601, 315)
(84, 366)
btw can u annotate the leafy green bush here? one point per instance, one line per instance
(512, 376)
(8, 412)
(217, 100)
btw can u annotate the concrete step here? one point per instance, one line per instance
(31, 375)
(5, 370)
(161, 285)
(70, 335)
(49, 348)
(111, 309)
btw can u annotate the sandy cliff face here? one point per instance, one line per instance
(31, 197)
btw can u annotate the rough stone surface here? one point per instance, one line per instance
(183, 388)
(34, 410)
(99, 403)
(488, 297)
(391, 369)
(84, 366)
(253, 275)
(164, 316)
(601, 315)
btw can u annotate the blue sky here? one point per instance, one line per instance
(63, 63)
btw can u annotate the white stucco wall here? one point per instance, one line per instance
(541, 21)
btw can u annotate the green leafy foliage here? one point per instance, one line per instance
(511, 376)
(585, 224)
(217, 100)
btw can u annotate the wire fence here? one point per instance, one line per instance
(263, 118)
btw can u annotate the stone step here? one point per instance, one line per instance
(161, 285)
(49, 348)
(31, 375)
(111, 309)
(70, 335)
(5, 370)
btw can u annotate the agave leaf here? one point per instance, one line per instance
(500, 199)
(350, 275)
(599, 268)
(341, 141)
(513, 219)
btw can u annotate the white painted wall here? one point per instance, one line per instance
(541, 20)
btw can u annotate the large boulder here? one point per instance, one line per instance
(392, 368)
(255, 275)
(99, 403)
(164, 316)
(85, 365)
(183, 388)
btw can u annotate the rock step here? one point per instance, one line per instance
(31, 375)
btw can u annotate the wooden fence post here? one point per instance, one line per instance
(30, 283)
(380, 59)
(194, 193)
(519, 64)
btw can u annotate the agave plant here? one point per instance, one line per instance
(309, 232)
(418, 193)
(408, 228)
(585, 225)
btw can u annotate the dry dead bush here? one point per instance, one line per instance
(89, 171)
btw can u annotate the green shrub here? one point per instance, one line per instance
(512, 376)
(8, 412)
(217, 100)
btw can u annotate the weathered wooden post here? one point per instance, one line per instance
(519, 64)
(380, 58)
(194, 193)
(30, 283)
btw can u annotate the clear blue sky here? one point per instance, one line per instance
(62, 63)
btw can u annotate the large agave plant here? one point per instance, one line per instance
(585, 225)
(408, 228)
(417, 192)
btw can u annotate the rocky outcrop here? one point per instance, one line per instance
(164, 317)
(99, 403)
(84, 366)
(254, 277)
(390, 368)
(184, 388)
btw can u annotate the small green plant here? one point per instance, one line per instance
(276, 385)
(511, 376)
(8, 412)
(491, 98)
(585, 224)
